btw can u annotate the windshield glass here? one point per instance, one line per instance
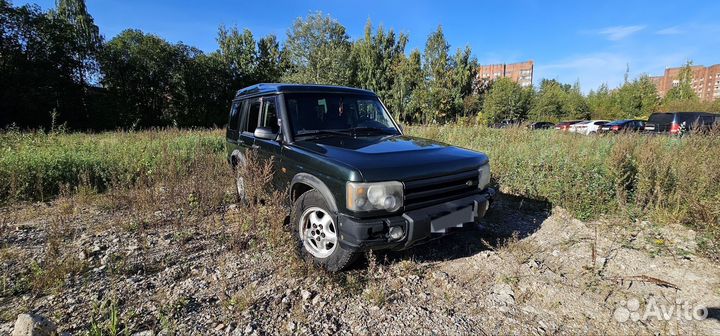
(312, 113)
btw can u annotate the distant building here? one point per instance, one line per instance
(705, 82)
(521, 73)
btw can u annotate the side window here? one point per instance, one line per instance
(269, 115)
(253, 115)
(234, 120)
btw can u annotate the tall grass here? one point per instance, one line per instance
(35, 166)
(666, 179)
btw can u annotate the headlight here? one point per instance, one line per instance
(374, 196)
(484, 176)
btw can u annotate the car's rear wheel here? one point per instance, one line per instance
(318, 233)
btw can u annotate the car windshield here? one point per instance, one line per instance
(337, 113)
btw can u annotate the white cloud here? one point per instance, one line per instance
(674, 30)
(617, 33)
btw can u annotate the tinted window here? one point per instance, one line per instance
(234, 120)
(334, 111)
(687, 117)
(661, 118)
(269, 115)
(253, 115)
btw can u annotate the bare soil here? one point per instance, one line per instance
(529, 269)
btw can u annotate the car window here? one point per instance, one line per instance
(234, 119)
(312, 112)
(253, 115)
(660, 118)
(269, 115)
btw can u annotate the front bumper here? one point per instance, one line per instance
(418, 225)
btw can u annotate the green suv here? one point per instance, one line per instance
(355, 181)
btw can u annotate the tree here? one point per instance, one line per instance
(404, 101)
(462, 76)
(318, 50)
(635, 99)
(37, 69)
(85, 33)
(238, 52)
(600, 103)
(269, 60)
(683, 92)
(377, 58)
(506, 100)
(550, 101)
(140, 71)
(438, 99)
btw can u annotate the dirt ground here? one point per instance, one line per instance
(528, 269)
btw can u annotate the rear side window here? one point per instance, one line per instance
(253, 115)
(661, 118)
(234, 120)
(269, 115)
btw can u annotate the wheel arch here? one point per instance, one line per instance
(304, 182)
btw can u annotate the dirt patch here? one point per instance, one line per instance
(528, 269)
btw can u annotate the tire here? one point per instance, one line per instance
(240, 195)
(317, 233)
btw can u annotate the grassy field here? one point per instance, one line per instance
(666, 180)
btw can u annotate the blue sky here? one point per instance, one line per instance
(589, 41)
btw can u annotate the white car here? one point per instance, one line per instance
(588, 127)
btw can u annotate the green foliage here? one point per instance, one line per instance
(556, 101)
(34, 166)
(378, 58)
(683, 92)
(506, 100)
(57, 71)
(318, 50)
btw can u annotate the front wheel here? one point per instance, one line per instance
(318, 232)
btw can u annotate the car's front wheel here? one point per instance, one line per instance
(318, 234)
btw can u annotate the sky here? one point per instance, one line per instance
(592, 42)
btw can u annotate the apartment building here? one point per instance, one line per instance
(705, 82)
(521, 73)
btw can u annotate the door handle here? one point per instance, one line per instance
(254, 146)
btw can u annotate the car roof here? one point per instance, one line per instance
(269, 88)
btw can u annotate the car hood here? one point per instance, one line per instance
(401, 158)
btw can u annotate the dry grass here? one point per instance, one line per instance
(664, 179)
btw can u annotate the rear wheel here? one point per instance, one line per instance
(318, 233)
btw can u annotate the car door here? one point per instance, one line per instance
(269, 149)
(248, 123)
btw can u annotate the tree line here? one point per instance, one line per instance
(56, 68)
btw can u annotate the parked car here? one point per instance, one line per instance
(505, 124)
(625, 125)
(565, 125)
(541, 125)
(678, 122)
(588, 127)
(355, 181)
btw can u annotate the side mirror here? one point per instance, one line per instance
(265, 133)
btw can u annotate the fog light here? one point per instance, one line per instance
(396, 233)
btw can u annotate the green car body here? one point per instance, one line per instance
(381, 189)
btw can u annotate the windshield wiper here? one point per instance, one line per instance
(316, 133)
(356, 130)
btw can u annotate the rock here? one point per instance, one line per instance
(33, 325)
(291, 326)
(306, 295)
(144, 333)
(503, 294)
(219, 327)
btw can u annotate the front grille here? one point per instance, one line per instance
(436, 190)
